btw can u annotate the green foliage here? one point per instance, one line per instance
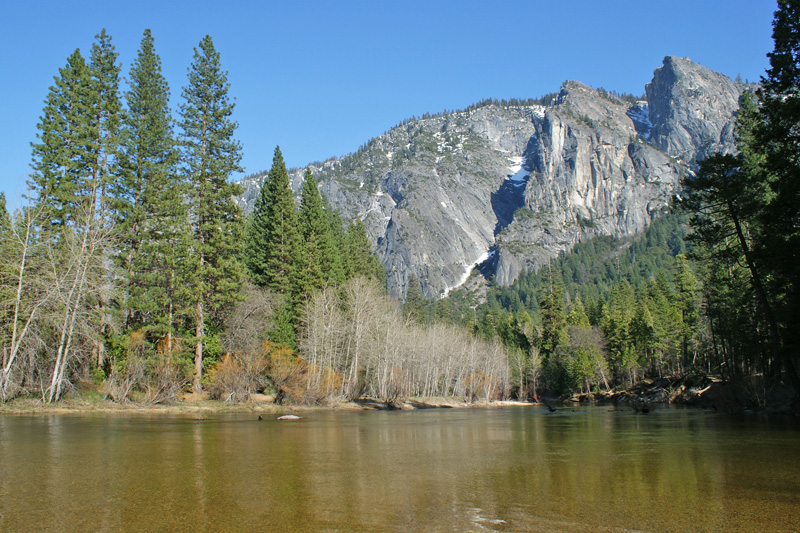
(776, 140)
(60, 170)
(746, 221)
(340, 267)
(640, 316)
(148, 206)
(97, 375)
(592, 268)
(283, 331)
(322, 263)
(554, 319)
(274, 241)
(295, 253)
(106, 113)
(414, 305)
(362, 261)
(210, 156)
(75, 159)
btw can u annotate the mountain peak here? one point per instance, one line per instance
(691, 109)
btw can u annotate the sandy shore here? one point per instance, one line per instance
(259, 404)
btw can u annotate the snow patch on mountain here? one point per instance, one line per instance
(518, 171)
(467, 271)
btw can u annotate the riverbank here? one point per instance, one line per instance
(700, 391)
(260, 404)
(703, 391)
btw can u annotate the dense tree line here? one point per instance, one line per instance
(604, 315)
(131, 236)
(133, 265)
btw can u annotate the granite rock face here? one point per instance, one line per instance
(591, 173)
(691, 108)
(507, 187)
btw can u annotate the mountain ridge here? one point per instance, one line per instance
(507, 187)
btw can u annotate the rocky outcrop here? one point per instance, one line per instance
(690, 108)
(591, 173)
(507, 187)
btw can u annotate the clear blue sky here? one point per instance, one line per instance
(321, 77)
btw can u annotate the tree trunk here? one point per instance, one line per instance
(761, 293)
(198, 350)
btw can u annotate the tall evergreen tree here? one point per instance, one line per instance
(149, 207)
(60, 157)
(778, 139)
(210, 155)
(724, 200)
(274, 239)
(362, 261)
(105, 118)
(341, 269)
(577, 314)
(414, 305)
(688, 304)
(616, 319)
(257, 237)
(322, 259)
(314, 229)
(554, 316)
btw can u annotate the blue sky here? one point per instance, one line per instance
(321, 77)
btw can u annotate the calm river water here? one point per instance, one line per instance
(503, 469)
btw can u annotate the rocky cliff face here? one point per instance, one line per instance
(506, 187)
(591, 172)
(691, 109)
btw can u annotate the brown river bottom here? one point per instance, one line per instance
(501, 469)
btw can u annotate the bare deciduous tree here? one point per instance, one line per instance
(361, 344)
(25, 291)
(76, 259)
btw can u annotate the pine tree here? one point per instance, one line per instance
(554, 317)
(258, 237)
(688, 304)
(577, 314)
(274, 240)
(105, 117)
(149, 208)
(362, 262)
(414, 306)
(314, 268)
(778, 138)
(322, 263)
(616, 321)
(341, 267)
(667, 325)
(210, 155)
(60, 157)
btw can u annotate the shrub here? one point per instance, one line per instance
(237, 377)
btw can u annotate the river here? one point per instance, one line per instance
(495, 469)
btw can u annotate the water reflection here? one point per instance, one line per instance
(483, 469)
